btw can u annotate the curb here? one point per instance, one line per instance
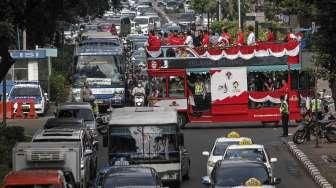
(310, 167)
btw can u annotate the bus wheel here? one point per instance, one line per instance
(181, 120)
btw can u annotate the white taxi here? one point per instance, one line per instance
(246, 150)
(219, 148)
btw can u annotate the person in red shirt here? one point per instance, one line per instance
(270, 36)
(284, 86)
(205, 38)
(153, 42)
(113, 30)
(175, 40)
(240, 38)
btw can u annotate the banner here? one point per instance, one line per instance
(227, 83)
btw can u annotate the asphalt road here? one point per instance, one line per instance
(197, 140)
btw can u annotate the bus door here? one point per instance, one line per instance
(199, 89)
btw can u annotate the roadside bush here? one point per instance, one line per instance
(59, 88)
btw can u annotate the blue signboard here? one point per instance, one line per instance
(28, 54)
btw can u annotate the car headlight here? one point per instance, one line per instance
(211, 163)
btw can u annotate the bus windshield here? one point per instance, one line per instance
(141, 21)
(103, 67)
(143, 142)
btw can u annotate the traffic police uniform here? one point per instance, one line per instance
(284, 116)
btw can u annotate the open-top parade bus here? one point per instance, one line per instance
(238, 83)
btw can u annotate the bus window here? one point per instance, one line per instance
(176, 86)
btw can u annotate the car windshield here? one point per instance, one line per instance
(238, 175)
(104, 67)
(254, 154)
(220, 147)
(25, 91)
(144, 142)
(117, 181)
(85, 114)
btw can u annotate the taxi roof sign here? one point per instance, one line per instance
(245, 141)
(233, 134)
(253, 182)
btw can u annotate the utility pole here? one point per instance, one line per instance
(220, 16)
(239, 15)
(24, 39)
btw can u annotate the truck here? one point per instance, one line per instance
(49, 160)
(149, 137)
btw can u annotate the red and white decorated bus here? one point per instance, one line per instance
(240, 83)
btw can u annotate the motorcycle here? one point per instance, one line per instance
(139, 99)
(325, 128)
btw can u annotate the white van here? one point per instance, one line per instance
(143, 23)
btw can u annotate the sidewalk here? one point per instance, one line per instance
(324, 158)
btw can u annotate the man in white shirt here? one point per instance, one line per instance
(251, 36)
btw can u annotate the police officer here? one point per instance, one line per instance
(199, 93)
(284, 115)
(316, 107)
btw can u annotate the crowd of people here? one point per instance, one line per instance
(207, 38)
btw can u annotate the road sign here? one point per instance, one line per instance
(28, 54)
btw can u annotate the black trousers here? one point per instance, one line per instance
(285, 118)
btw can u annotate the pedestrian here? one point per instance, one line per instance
(284, 115)
(251, 37)
(86, 93)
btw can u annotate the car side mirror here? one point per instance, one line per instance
(206, 153)
(88, 152)
(205, 180)
(274, 160)
(276, 181)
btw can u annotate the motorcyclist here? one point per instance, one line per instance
(138, 89)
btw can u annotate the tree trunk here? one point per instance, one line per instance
(332, 85)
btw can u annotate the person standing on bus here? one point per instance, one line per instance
(284, 115)
(270, 36)
(153, 42)
(205, 38)
(251, 37)
(189, 40)
(240, 38)
(225, 38)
